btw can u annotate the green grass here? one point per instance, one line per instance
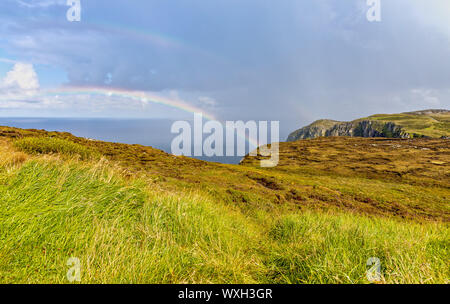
(334, 248)
(134, 214)
(130, 230)
(436, 125)
(49, 145)
(413, 124)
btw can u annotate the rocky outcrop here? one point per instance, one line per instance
(316, 129)
(368, 128)
(432, 123)
(361, 128)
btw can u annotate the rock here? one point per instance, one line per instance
(381, 125)
(362, 128)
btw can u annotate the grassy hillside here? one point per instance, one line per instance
(431, 125)
(134, 214)
(426, 123)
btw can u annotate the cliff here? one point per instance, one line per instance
(426, 123)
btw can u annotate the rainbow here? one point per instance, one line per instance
(141, 96)
(155, 38)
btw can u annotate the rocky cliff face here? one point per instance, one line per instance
(316, 129)
(368, 128)
(433, 123)
(361, 128)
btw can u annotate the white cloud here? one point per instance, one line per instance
(19, 87)
(21, 78)
(40, 3)
(20, 91)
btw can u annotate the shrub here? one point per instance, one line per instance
(49, 145)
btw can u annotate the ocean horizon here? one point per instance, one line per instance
(147, 132)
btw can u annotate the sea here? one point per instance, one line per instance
(148, 132)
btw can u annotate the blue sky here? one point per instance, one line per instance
(293, 61)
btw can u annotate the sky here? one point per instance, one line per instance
(293, 60)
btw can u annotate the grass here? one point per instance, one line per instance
(126, 232)
(435, 125)
(413, 124)
(334, 248)
(138, 215)
(42, 145)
